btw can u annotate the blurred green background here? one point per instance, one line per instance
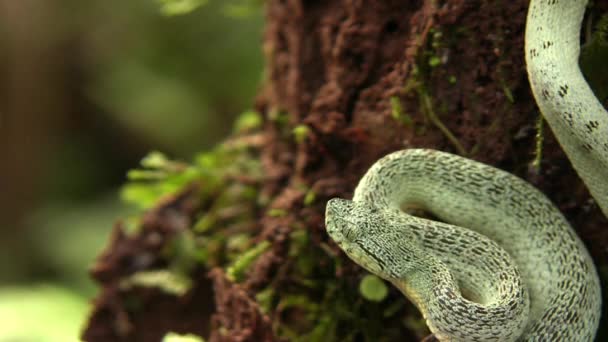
(87, 88)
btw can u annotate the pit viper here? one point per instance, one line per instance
(506, 265)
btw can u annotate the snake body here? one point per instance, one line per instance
(577, 118)
(517, 271)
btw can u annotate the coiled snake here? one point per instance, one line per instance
(517, 271)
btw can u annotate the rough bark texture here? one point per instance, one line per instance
(334, 66)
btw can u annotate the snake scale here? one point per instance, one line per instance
(517, 271)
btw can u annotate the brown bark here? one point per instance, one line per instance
(334, 66)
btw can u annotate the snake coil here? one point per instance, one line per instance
(517, 271)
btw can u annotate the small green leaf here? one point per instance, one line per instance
(276, 212)
(204, 223)
(179, 7)
(248, 121)
(155, 160)
(164, 280)
(309, 198)
(281, 118)
(434, 61)
(264, 298)
(397, 111)
(175, 337)
(300, 133)
(373, 288)
(237, 270)
(145, 175)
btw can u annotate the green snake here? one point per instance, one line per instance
(517, 271)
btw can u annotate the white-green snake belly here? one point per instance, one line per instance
(508, 266)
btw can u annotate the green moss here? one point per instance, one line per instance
(279, 117)
(228, 209)
(434, 61)
(248, 121)
(538, 151)
(429, 111)
(237, 270)
(397, 112)
(315, 305)
(276, 212)
(436, 43)
(309, 198)
(506, 90)
(185, 251)
(416, 83)
(265, 298)
(158, 177)
(167, 281)
(312, 303)
(204, 223)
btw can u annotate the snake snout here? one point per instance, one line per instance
(338, 208)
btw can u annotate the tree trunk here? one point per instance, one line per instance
(347, 82)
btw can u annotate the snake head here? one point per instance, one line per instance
(371, 237)
(347, 221)
(339, 222)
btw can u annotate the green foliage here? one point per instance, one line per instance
(265, 299)
(236, 9)
(309, 198)
(312, 304)
(158, 177)
(277, 212)
(279, 117)
(221, 235)
(167, 281)
(429, 111)
(69, 236)
(300, 133)
(538, 150)
(426, 61)
(436, 45)
(174, 82)
(397, 112)
(150, 81)
(434, 61)
(44, 313)
(179, 7)
(248, 121)
(237, 270)
(373, 288)
(174, 337)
